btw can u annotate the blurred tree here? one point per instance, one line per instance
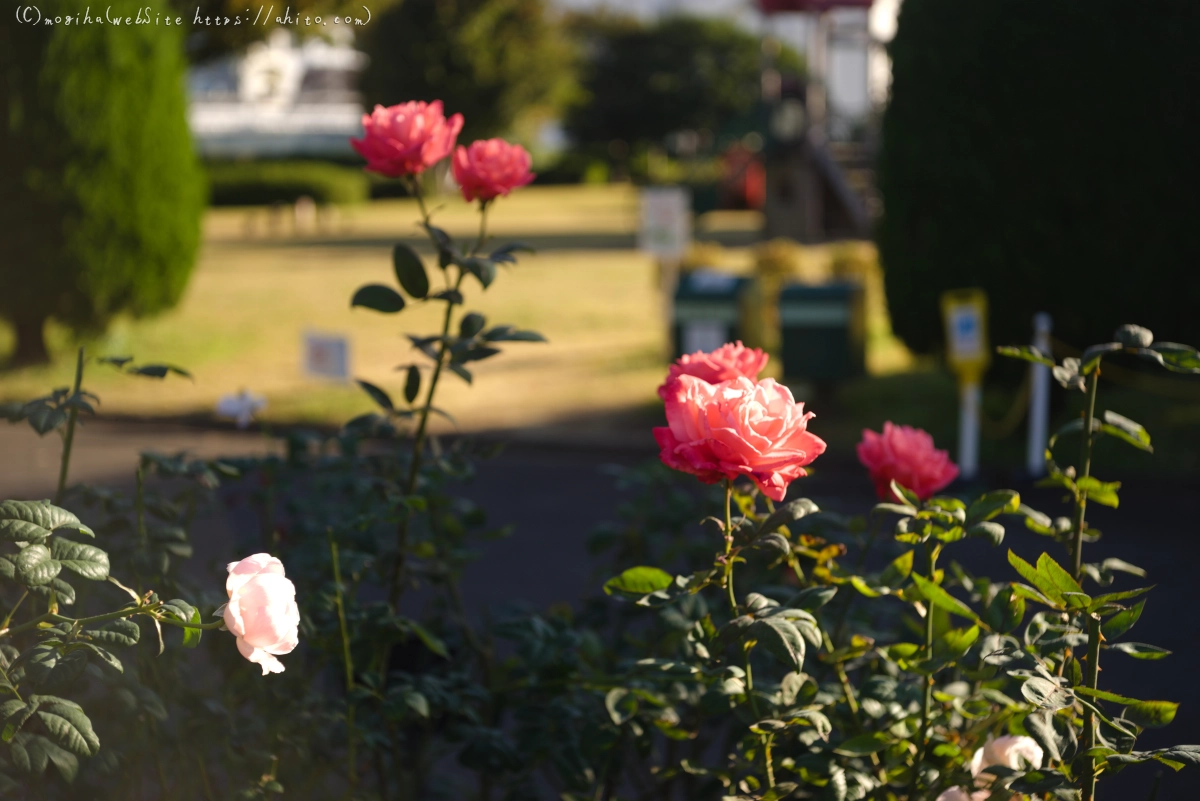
(100, 192)
(641, 82)
(1044, 151)
(490, 60)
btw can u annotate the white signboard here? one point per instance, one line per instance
(666, 221)
(966, 333)
(703, 335)
(326, 356)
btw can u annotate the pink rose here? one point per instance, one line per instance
(490, 168)
(262, 610)
(737, 428)
(1009, 751)
(729, 361)
(960, 794)
(407, 139)
(905, 455)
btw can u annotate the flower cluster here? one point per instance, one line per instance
(409, 138)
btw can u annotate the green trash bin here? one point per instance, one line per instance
(706, 312)
(822, 332)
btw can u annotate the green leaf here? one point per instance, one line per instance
(427, 638)
(905, 494)
(638, 581)
(412, 383)
(812, 598)
(1102, 492)
(898, 570)
(47, 666)
(859, 584)
(1006, 611)
(992, 504)
(1104, 695)
(86, 560)
(1040, 725)
(895, 509)
(378, 297)
(782, 639)
(1176, 357)
(378, 395)
(1122, 621)
(1176, 756)
(471, 324)
(1028, 572)
(460, 371)
(1124, 429)
(989, 530)
(944, 600)
(35, 565)
(1140, 650)
(1113, 597)
(116, 632)
(158, 371)
(1151, 714)
(788, 513)
(70, 728)
(482, 268)
(1027, 353)
(34, 521)
(451, 296)
(507, 333)
(410, 271)
(504, 252)
(863, 744)
(956, 642)
(1052, 574)
(1045, 694)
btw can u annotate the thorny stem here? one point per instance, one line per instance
(763, 738)
(931, 553)
(729, 547)
(147, 609)
(1085, 470)
(347, 660)
(13, 611)
(423, 422)
(1089, 720)
(69, 437)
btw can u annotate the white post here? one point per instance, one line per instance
(1039, 399)
(970, 393)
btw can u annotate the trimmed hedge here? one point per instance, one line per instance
(1044, 150)
(255, 183)
(101, 194)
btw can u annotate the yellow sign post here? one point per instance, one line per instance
(964, 312)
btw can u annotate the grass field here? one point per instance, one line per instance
(262, 281)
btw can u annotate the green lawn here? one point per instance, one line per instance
(260, 284)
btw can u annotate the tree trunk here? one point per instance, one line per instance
(31, 343)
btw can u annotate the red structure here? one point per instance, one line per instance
(808, 6)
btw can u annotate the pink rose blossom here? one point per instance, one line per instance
(729, 361)
(407, 139)
(1009, 751)
(737, 428)
(262, 610)
(960, 794)
(490, 168)
(905, 455)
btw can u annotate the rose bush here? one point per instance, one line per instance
(800, 654)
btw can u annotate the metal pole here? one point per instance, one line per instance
(1039, 399)
(970, 394)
